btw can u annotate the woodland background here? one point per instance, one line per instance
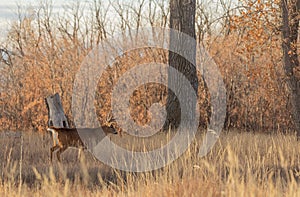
(43, 52)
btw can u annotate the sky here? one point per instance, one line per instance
(9, 11)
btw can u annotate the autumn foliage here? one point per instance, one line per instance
(45, 54)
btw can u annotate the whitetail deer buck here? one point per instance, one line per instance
(64, 138)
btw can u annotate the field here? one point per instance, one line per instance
(240, 164)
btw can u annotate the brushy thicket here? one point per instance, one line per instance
(46, 53)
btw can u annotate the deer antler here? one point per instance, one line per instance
(110, 120)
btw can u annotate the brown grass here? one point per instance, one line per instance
(240, 164)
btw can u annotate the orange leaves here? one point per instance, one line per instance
(253, 77)
(43, 69)
(31, 105)
(256, 24)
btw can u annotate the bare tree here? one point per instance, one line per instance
(182, 18)
(290, 26)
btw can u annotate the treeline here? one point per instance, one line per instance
(43, 52)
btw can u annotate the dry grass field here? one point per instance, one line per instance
(240, 164)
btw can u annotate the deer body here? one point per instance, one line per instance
(64, 138)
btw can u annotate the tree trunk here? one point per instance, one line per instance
(56, 115)
(290, 25)
(182, 19)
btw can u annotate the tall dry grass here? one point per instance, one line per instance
(240, 164)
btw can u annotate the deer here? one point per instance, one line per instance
(63, 138)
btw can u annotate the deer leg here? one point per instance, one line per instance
(119, 130)
(94, 158)
(60, 151)
(79, 154)
(54, 148)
